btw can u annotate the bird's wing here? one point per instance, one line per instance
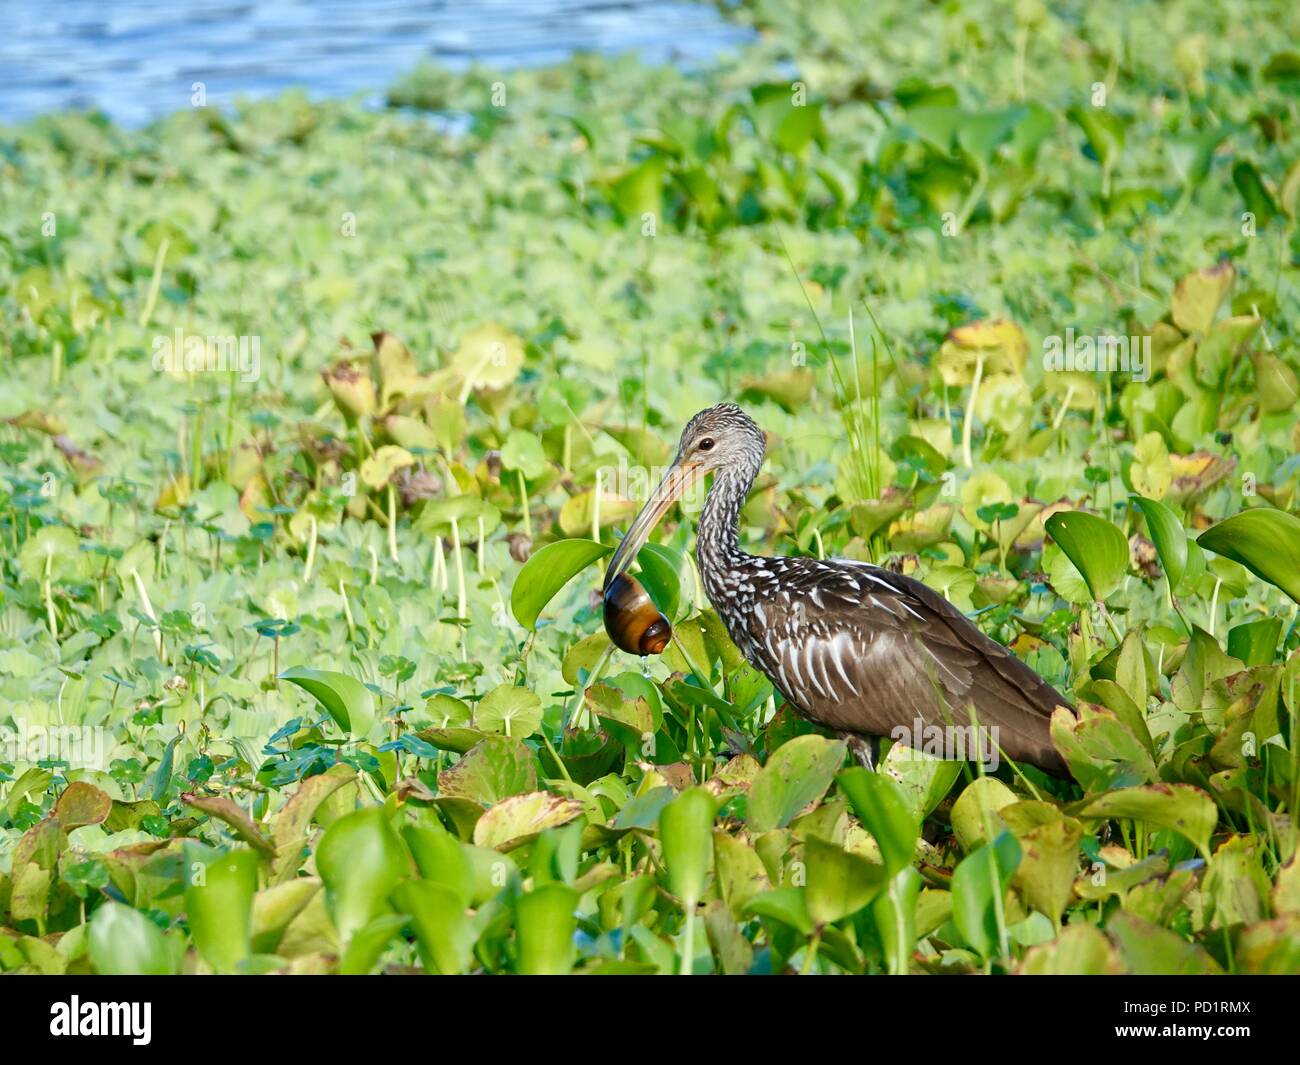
(864, 650)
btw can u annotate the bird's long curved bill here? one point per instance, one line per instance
(675, 484)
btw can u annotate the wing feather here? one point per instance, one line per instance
(872, 650)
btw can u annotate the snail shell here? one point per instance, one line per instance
(632, 620)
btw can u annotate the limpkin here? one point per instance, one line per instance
(860, 650)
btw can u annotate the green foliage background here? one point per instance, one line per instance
(343, 733)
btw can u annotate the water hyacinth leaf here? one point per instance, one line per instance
(796, 774)
(442, 859)
(162, 776)
(1048, 866)
(1276, 383)
(370, 941)
(82, 804)
(1118, 701)
(1198, 296)
(787, 905)
(489, 357)
(975, 817)
(839, 883)
(443, 927)
(1080, 950)
(979, 884)
(925, 778)
(734, 952)
(1168, 535)
(739, 871)
(289, 829)
(493, 769)
(544, 927)
(515, 820)
(1101, 750)
(275, 908)
(1181, 807)
(523, 452)
(894, 913)
(234, 815)
(1095, 546)
(124, 942)
(883, 808)
(1255, 194)
(53, 553)
(219, 904)
(1148, 950)
(1104, 130)
(1265, 541)
(379, 468)
(546, 572)
(1255, 642)
(509, 709)
(349, 702)
(361, 859)
(686, 831)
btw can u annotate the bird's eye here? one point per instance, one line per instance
(706, 444)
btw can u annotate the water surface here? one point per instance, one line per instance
(139, 59)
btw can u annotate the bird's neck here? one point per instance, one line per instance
(717, 543)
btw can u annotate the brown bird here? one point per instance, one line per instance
(855, 648)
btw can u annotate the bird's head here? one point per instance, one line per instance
(720, 438)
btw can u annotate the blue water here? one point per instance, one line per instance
(138, 59)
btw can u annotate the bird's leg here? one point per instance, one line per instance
(862, 750)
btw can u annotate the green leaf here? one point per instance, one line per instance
(516, 820)
(229, 811)
(975, 813)
(884, 810)
(162, 776)
(442, 859)
(1255, 642)
(786, 905)
(839, 883)
(1104, 130)
(978, 884)
(1198, 296)
(1181, 807)
(54, 552)
(1048, 866)
(686, 831)
(659, 567)
(1148, 950)
(492, 770)
(289, 829)
(82, 804)
(925, 779)
(1081, 950)
(378, 469)
(522, 451)
(361, 859)
(544, 925)
(348, 701)
(219, 904)
(442, 925)
(124, 942)
(894, 912)
(1097, 549)
(796, 774)
(509, 709)
(546, 572)
(1168, 535)
(370, 941)
(1265, 541)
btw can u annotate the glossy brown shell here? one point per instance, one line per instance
(632, 620)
